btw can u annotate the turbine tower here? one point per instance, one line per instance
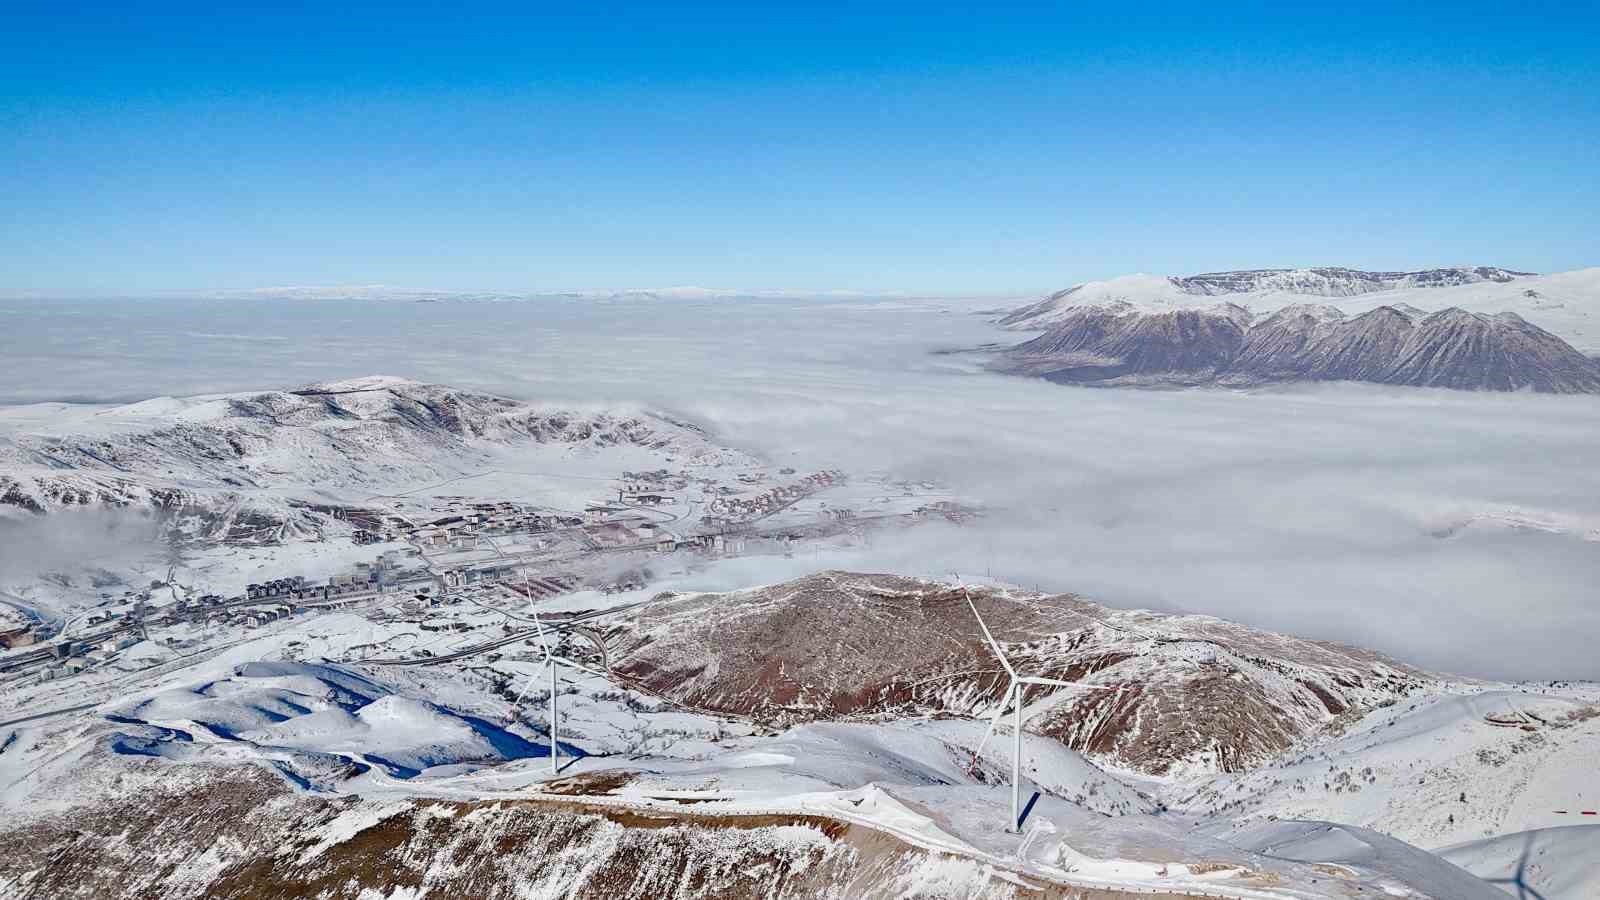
(551, 660)
(1014, 694)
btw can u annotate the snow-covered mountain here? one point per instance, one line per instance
(1226, 344)
(257, 465)
(1339, 282)
(1567, 304)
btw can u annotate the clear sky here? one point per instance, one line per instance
(980, 150)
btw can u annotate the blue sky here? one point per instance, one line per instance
(912, 148)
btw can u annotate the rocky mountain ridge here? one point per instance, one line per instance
(1337, 281)
(1149, 293)
(1227, 345)
(1567, 304)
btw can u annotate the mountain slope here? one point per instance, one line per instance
(264, 459)
(1221, 345)
(1457, 349)
(1195, 693)
(1433, 769)
(1558, 863)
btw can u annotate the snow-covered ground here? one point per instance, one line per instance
(1456, 766)
(296, 698)
(1550, 863)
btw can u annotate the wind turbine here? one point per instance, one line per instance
(1014, 693)
(551, 660)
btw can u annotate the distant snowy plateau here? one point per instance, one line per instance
(1477, 328)
(168, 730)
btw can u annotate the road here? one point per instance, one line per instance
(556, 625)
(45, 715)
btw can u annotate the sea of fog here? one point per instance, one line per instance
(1457, 531)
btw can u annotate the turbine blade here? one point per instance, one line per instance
(538, 626)
(994, 722)
(1035, 679)
(562, 660)
(993, 644)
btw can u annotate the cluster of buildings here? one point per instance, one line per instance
(773, 499)
(292, 587)
(487, 518)
(657, 481)
(714, 543)
(601, 513)
(72, 657)
(363, 578)
(458, 518)
(653, 499)
(446, 580)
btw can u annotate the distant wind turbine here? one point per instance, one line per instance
(1014, 693)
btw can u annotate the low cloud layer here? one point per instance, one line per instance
(1457, 531)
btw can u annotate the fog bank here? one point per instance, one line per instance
(1457, 531)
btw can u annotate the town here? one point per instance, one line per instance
(435, 552)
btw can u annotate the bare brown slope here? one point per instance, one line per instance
(1193, 691)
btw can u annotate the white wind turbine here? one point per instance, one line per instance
(551, 660)
(1014, 693)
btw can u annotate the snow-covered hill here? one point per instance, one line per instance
(1196, 694)
(257, 466)
(1566, 304)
